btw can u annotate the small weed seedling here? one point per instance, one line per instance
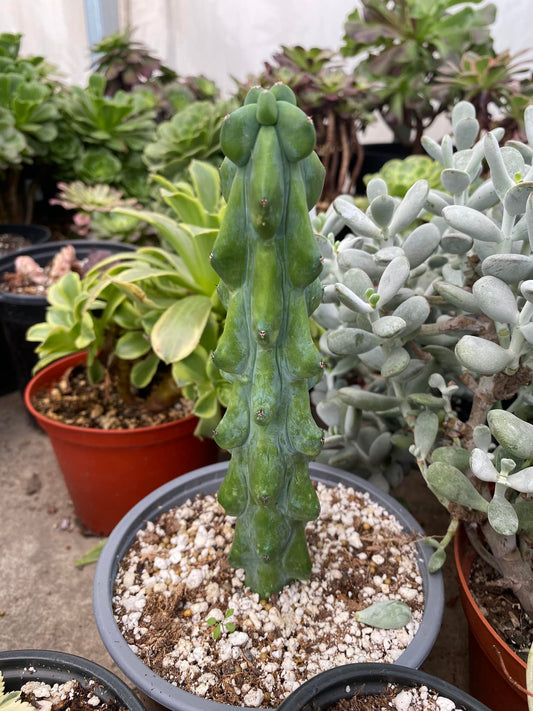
(218, 626)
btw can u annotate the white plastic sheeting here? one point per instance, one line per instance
(225, 38)
(218, 38)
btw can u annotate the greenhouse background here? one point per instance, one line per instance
(217, 38)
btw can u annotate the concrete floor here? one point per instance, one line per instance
(45, 601)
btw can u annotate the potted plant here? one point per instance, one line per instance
(406, 688)
(28, 126)
(127, 65)
(19, 667)
(269, 264)
(23, 296)
(427, 332)
(145, 323)
(399, 49)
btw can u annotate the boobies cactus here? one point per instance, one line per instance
(269, 263)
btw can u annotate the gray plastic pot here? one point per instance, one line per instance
(207, 480)
(50, 667)
(325, 689)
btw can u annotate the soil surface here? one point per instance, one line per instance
(76, 401)
(501, 608)
(175, 583)
(70, 696)
(9, 242)
(397, 699)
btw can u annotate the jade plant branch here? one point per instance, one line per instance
(269, 263)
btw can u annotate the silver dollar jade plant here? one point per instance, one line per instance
(428, 337)
(269, 263)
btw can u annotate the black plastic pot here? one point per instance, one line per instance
(324, 690)
(36, 234)
(20, 311)
(24, 665)
(207, 481)
(376, 155)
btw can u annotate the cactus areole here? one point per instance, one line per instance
(268, 262)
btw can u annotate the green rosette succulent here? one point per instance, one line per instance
(269, 263)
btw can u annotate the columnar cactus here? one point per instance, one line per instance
(268, 261)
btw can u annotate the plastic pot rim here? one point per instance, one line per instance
(61, 666)
(326, 688)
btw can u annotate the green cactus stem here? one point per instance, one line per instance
(268, 261)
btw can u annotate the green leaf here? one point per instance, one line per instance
(512, 433)
(178, 331)
(387, 615)
(143, 372)
(206, 181)
(206, 405)
(459, 458)
(437, 560)
(211, 621)
(132, 345)
(230, 627)
(191, 369)
(216, 632)
(367, 400)
(482, 356)
(187, 207)
(425, 432)
(502, 516)
(64, 292)
(450, 483)
(91, 556)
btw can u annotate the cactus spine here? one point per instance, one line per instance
(268, 261)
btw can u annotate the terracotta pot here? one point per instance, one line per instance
(109, 471)
(488, 681)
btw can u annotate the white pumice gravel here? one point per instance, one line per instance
(176, 576)
(418, 699)
(69, 694)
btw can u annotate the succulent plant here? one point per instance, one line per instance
(401, 173)
(28, 126)
(338, 103)
(125, 63)
(400, 47)
(268, 262)
(495, 85)
(193, 133)
(441, 313)
(94, 204)
(128, 65)
(101, 138)
(151, 316)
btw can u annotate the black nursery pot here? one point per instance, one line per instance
(375, 157)
(36, 234)
(24, 665)
(324, 690)
(20, 311)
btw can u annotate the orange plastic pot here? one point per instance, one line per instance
(488, 681)
(109, 471)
